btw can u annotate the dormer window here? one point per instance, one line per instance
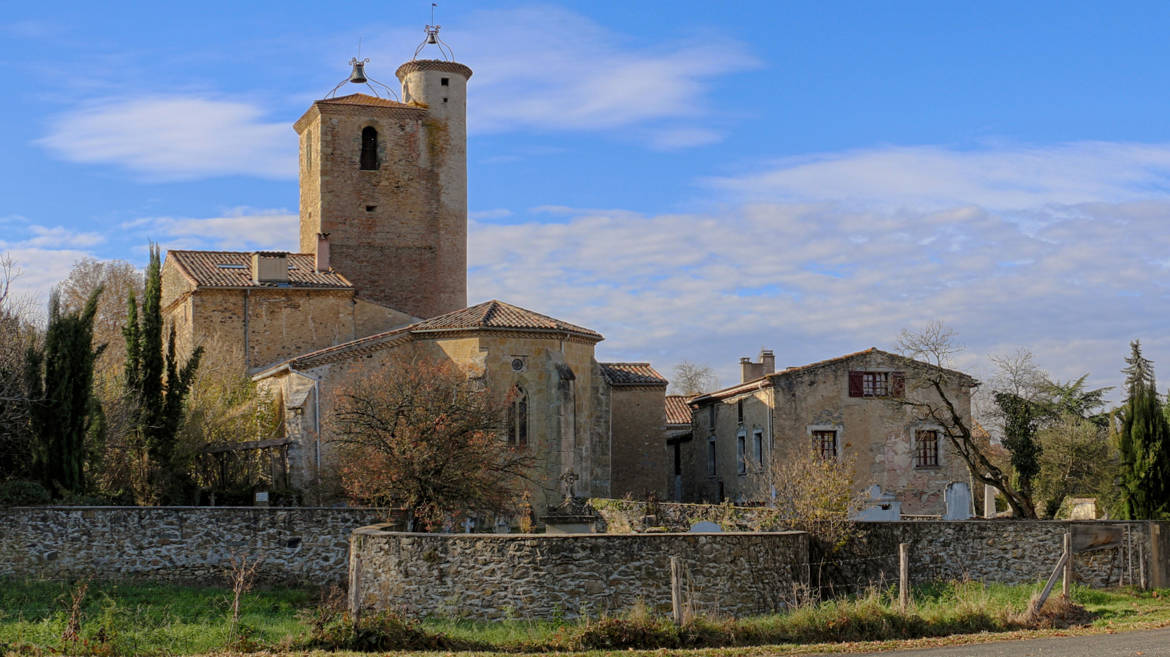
(369, 148)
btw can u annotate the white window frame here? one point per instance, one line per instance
(741, 452)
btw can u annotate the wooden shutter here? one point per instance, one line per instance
(856, 387)
(897, 384)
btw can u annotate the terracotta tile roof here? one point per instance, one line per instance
(631, 374)
(367, 100)
(766, 379)
(677, 410)
(499, 315)
(490, 315)
(234, 269)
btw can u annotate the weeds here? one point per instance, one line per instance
(243, 573)
(106, 620)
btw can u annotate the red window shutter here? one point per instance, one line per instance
(898, 384)
(855, 384)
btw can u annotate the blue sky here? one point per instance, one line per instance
(695, 180)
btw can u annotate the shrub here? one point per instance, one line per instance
(333, 629)
(623, 633)
(23, 493)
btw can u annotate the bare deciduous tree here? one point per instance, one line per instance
(692, 379)
(117, 280)
(420, 434)
(811, 493)
(935, 345)
(16, 335)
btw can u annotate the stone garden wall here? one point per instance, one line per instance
(1010, 551)
(486, 576)
(193, 545)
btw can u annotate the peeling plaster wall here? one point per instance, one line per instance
(878, 433)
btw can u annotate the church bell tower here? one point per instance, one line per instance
(383, 186)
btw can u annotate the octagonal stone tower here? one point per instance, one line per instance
(384, 184)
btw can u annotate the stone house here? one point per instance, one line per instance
(678, 433)
(571, 412)
(844, 407)
(382, 265)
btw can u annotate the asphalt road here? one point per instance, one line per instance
(1148, 643)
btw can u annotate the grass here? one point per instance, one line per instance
(145, 618)
(125, 619)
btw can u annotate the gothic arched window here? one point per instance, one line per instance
(369, 148)
(518, 417)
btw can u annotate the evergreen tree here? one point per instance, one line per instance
(59, 378)
(155, 382)
(1021, 420)
(1144, 442)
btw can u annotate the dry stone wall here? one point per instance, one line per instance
(495, 577)
(1009, 551)
(191, 545)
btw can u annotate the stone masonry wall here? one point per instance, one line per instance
(191, 545)
(1010, 551)
(493, 577)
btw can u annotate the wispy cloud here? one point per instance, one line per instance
(817, 279)
(175, 138)
(237, 229)
(24, 235)
(40, 270)
(996, 176)
(548, 68)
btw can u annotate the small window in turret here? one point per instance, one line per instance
(369, 148)
(445, 81)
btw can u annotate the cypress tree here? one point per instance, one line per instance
(1021, 421)
(155, 381)
(59, 378)
(1144, 442)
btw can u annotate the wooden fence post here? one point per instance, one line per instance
(1066, 584)
(676, 590)
(904, 575)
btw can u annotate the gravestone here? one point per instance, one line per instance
(958, 501)
(705, 527)
(989, 493)
(880, 507)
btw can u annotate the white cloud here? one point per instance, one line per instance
(175, 138)
(816, 280)
(39, 270)
(240, 229)
(497, 213)
(59, 236)
(996, 176)
(547, 68)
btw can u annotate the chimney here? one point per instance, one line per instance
(768, 360)
(270, 267)
(748, 370)
(323, 252)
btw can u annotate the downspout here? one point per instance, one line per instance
(771, 438)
